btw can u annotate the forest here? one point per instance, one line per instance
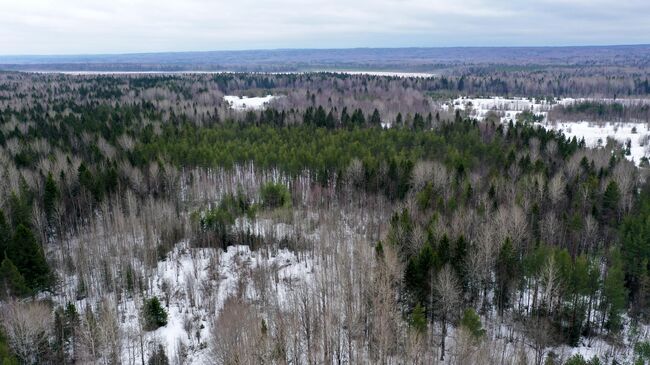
(352, 220)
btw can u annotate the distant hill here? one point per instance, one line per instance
(394, 59)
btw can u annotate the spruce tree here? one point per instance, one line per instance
(50, 196)
(26, 253)
(12, 282)
(615, 293)
(375, 119)
(506, 270)
(611, 199)
(154, 314)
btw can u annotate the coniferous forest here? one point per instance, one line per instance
(351, 220)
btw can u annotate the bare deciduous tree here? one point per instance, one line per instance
(28, 327)
(448, 298)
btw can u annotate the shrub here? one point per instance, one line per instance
(275, 196)
(158, 357)
(472, 322)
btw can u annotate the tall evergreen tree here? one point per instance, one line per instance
(615, 293)
(50, 196)
(506, 273)
(5, 235)
(26, 253)
(12, 282)
(611, 198)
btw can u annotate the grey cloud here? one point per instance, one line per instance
(94, 26)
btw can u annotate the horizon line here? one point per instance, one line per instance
(321, 49)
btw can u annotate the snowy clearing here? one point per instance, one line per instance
(246, 103)
(594, 134)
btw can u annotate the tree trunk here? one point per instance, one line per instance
(444, 334)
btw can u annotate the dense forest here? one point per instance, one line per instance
(352, 220)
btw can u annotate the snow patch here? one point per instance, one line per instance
(246, 103)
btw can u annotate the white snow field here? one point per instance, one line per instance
(386, 73)
(184, 277)
(595, 134)
(246, 103)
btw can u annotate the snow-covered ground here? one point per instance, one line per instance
(246, 103)
(193, 284)
(506, 108)
(386, 73)
(595, 134)
(195, 269)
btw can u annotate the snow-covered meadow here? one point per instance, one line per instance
(248, 103)
(595, 134)
(194, 284)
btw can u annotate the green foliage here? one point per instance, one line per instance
(529, 117)
(635, 244)
(12, 282)
(642, 352)
(418, 319)
(507, 267)
(27, 255)
(89, 182)
(5, 235)
(325, 151)
(66, 322)
(215, 225)
(6, 356)
(275, 195)
(611, 198)
(417, 274)
(615, 292)
(21, 210)
(154, 314)
(472, 323)
(50, 196)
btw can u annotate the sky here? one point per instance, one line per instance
(33, 27)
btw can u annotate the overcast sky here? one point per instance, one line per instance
(124, 26)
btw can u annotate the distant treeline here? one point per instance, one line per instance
(601, 111)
